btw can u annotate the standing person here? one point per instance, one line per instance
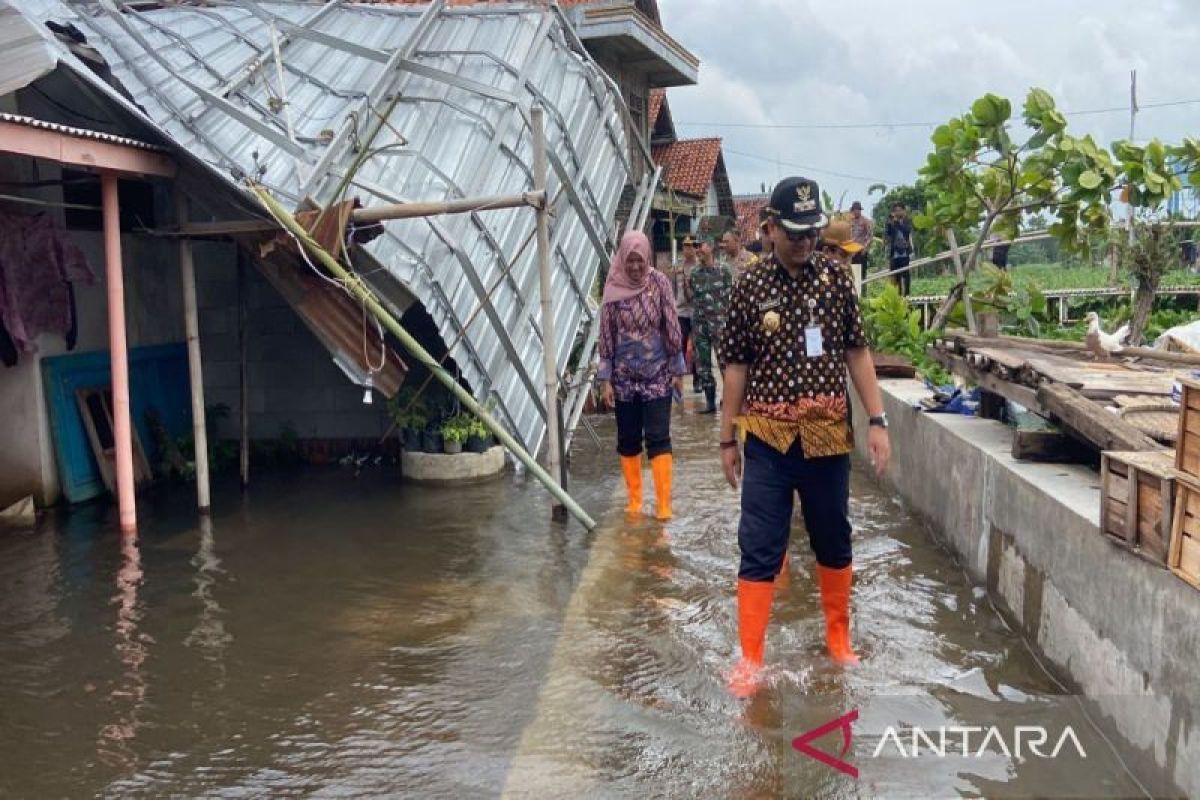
(683, 302)
(999, 252)
(641, 360)
(734, 256)
(837, 242)
(710, 285)
(900, 246)
(862, 231)
(794, 328)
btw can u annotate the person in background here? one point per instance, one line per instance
(683, 305)
(641, 362)
(733, 255)
(794, 331)
(838, 243)
(862, 230)
(999, 252)
(710, 285)
(900, 246)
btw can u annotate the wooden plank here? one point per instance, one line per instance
(1102, 429)
(1158, 462)
(1017, 393)
(1189, 561)
(1112, 515)
(1013, 360)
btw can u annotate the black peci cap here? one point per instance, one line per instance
(796, 205)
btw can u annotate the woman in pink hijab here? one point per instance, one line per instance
(641, 361)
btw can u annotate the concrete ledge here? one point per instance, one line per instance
(443, 469)
(1125, 632)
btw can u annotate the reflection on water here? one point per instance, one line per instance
(332, 633)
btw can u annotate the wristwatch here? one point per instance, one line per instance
(879, 422)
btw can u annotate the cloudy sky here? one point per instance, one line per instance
(882, 64)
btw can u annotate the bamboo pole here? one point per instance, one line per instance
(118, 352)
(191, 319)
(952, 240)
(364, 294)
(554, 459)
(409, 210)
(244, 402)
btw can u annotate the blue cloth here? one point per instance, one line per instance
(770, 482)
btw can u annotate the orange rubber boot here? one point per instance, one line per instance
(660, 467)
(835, 602)
(632, 467)
(754, 612)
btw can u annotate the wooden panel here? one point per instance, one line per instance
(1189, 558)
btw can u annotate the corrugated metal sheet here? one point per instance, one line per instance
(455, 86)
(82, 133)
(27, 54)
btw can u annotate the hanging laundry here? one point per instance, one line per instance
(38, 262)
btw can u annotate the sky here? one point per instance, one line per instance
(888, 64)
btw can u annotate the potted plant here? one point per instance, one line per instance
(431, 438)
(479, 438)
(454, 433)
(411, 417)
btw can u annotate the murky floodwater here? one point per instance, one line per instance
(331, 634)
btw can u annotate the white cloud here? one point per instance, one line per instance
(823, 62)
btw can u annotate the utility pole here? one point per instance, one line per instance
(1133, 109)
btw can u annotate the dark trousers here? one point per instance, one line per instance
(903, 281)
(648, 420)
(770, 482)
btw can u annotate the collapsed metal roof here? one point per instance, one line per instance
(288, 90)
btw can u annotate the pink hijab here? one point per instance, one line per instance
(619, 285)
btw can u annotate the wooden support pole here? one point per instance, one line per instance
(554, 459)
(243, 400)
(536, 199)
(118, 352)
(191, 320)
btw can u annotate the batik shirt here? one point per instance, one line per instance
(710, 293)
(791, 393)
(641, 347)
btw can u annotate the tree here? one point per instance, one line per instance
(1151, 174)
(978, 178)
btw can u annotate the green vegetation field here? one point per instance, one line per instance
(1047, 277)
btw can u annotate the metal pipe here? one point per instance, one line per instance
(554, 453)
(191, 321)
(118, 352)
(360, 290)
(391, 211)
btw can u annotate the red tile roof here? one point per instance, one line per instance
(747, 215)
(657, 96)
(688, 164)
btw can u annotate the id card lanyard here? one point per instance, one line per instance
(814, 342)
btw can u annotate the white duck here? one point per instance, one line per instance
(1101, 343)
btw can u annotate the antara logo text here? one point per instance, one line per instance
(947, 741)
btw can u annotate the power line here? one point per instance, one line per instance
(884, 125)
(807, 168)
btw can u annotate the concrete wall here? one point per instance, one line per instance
(293, 381)
(1125, 632)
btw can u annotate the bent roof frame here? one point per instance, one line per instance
(287, 91)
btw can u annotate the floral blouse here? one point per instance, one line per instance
(641, 347)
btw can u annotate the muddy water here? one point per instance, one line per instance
(339, 634)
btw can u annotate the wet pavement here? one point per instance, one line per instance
(332, 634)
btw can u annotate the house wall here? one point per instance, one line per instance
(635, 89)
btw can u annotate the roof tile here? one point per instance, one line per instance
(688, 164)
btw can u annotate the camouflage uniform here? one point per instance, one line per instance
(710, 290)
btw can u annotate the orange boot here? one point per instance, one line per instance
(632, 467)
(660, 467)
(835, 602)
(754, 611)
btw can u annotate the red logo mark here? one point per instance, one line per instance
(844, 722)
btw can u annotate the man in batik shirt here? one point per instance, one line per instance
(793, 329)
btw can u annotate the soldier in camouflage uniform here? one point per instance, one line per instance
(709, 288)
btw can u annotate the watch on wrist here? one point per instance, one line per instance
(879, 422)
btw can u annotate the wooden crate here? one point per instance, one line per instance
(1184, 556)
(1137, 501)
(1187, 445)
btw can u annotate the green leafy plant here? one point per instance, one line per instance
(457, 428)
(894, 327)
(1024, 302)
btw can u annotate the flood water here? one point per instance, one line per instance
(332, 634)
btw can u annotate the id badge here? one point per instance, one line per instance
(814, 343)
